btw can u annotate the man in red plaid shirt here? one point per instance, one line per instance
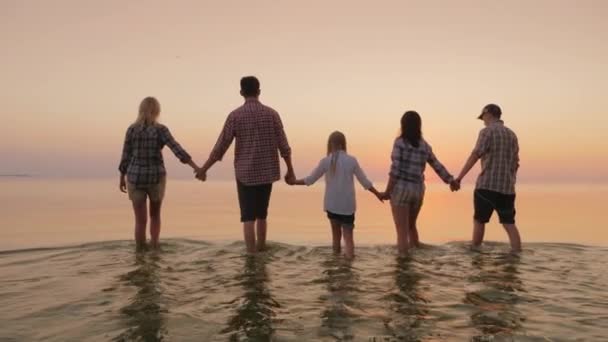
(260, 138)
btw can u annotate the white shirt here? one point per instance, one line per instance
(340, 186)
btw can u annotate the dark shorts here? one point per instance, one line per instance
(253, 200)
(346, 221)
(487, 201)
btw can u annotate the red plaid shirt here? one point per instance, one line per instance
(259, 138)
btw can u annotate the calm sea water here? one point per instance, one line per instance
(69, 272)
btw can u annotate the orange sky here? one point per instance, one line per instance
(73, 73)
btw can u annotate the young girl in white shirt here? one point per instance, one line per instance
(340, 204)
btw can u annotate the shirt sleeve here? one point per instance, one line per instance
(174, 146)
(441, 171)
(283, 144)
(224, 141)
(483, 144)
(361, 177)
(126, 152)
(396, 159)
(516, 155)
(317, 173)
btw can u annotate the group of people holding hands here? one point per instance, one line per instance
(261, 140)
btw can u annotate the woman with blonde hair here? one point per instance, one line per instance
(142, 169)
(340, 169)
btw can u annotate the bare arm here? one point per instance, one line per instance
(481, 147)
(473, 158)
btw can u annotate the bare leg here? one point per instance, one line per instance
(336, 236)
(413, 229)
(249, 236)
(514, 237)
(479, 230)
(401, 218)
(261, 227)
(349, 243)
(141, 220)
(155, 223)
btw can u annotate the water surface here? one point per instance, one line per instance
(200, 291)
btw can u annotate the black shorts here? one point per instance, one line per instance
(346, 221)
(487, 201)
(253, 200)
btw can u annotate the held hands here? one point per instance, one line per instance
(455, 185)
(290, 177)
(200, 174)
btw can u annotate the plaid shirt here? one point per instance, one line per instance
(498, 149)
(409, 162)
(259, 136)
(142, 160)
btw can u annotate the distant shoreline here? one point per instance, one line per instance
(16, 176)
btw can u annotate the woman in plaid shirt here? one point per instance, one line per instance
(142, 169)
(406, 187)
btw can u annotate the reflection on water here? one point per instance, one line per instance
(406, 302)
(144, 312)
(199, 291)
(341, 283)
(495, 294)
(256, 307)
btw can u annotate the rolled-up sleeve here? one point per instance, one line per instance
(282, 142)
(224, 140)
(168, 140)
(361, 177)
(126, 152)
(441, 171)
(483, 143)
(396, 156)
(317, 173)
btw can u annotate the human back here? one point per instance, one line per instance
(498, 148)
(257, 131)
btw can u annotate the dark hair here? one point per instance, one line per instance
(493, 109)
(411, 128)
(250, 86)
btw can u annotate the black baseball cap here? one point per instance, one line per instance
(493, 109)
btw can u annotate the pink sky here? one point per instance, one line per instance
(73, 74)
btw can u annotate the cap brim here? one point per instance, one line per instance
(480, 117)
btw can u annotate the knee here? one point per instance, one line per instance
(155, 215)
(141, 220)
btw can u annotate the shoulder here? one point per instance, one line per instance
(270, 110)
(425, 145)
(325, 160)
(350, 159)
(484, 132)
(399, 142)
(161, 128)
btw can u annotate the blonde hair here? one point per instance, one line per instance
(149, 109)
(335, 143)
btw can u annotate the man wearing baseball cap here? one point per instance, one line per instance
(498, 149)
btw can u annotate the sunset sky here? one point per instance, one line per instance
(73, 73)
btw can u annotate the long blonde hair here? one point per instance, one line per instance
(335, 143)
(149, 109)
